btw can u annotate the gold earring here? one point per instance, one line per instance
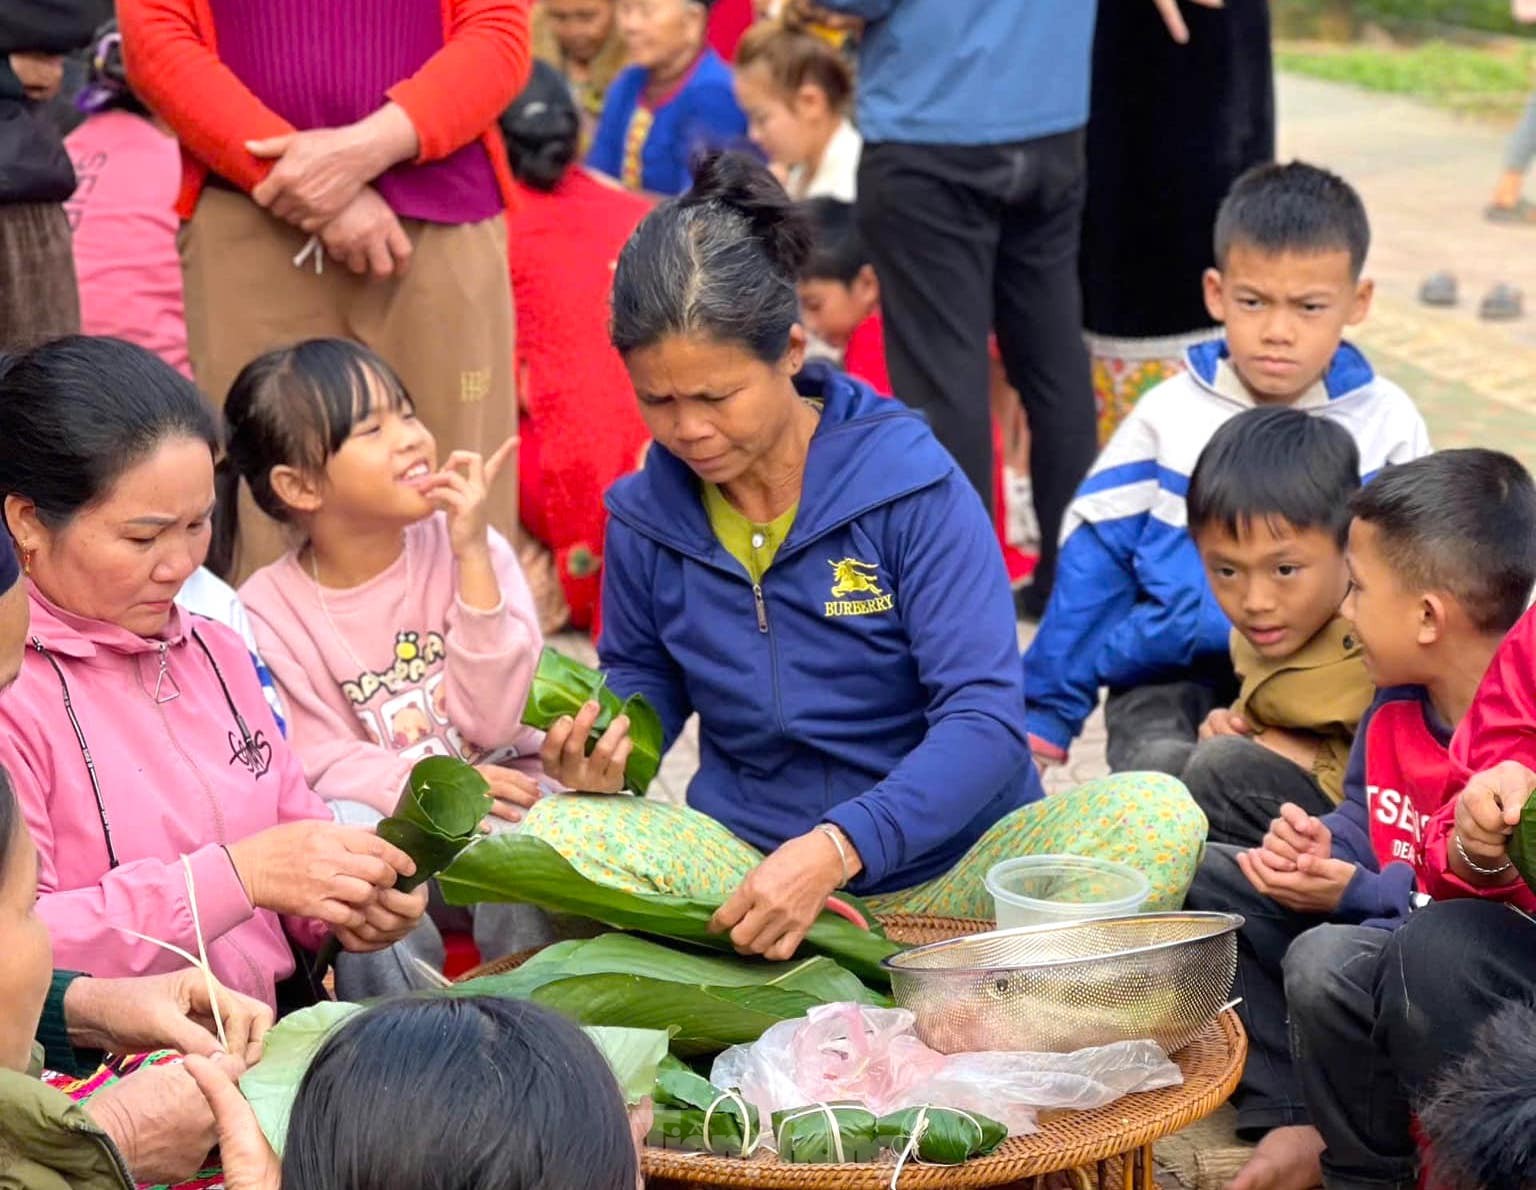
(26, 561)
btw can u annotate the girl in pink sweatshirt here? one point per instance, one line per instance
(401, 625)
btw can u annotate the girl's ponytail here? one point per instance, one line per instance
(226, 518)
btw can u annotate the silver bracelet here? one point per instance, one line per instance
(1468, 860)
(835, 835)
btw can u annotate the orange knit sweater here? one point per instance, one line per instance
(455, 98)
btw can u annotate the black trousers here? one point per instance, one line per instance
(1306, 989)
(1444, 973)
(1154, 728)
(965, 239)
(1241, 785)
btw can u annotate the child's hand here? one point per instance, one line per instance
(515, 792)
(1294, 834)
(460, 487)
(1223, 721)
(1314, 886)
(1487, 812)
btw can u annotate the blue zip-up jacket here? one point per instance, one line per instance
(871, 681)
(972, 72)
(1131, 604)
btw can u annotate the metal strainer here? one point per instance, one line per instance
(1061, 987)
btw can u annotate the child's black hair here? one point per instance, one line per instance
(837, 249)
(1275, 464)
(292, 407)
(1462, 522)
(1293, 208)
(77, 412)
(721, 261)
(479, 1093)
(1481, 1120)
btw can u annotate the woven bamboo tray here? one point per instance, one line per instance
(1110, 1147)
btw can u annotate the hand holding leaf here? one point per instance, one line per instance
(589, 752)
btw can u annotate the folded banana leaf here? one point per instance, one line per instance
(438, 815)
(1522, 845)
(826, 1134)
(944, 1136)
(512, 866)
(562, 687)
(693, 1115)
(271, 1086)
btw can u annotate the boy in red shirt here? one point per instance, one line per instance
(1442, 559)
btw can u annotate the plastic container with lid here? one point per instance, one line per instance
(1036, 889)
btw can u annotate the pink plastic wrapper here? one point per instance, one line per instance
(841, 1052)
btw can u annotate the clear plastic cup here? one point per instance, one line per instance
(1037, 889)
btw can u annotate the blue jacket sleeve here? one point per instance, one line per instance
(962, 636)
(606, 154)
(1376, 895)
(1176, 619)
(1095, 589)
(630, 650)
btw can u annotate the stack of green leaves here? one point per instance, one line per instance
(693, 1115)
(514, 866)
(943, 1136)
(1522, 845)
(438, 815)
(562, 687)
(272, 1085)
(708, 1002)
(826, 1133)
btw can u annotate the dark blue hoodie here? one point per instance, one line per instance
(872, 681)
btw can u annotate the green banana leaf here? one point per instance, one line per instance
(271, 1086)
(1522, 845)
(694, 1115)
(438, 815)
(945, 1136)
(826, 1133)
(562, 686)
(512, 866)
(625, 954)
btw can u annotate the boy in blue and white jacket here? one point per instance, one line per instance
(1131, 609)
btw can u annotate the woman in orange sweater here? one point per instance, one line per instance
(343, 176)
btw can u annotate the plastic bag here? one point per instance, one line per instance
(873, 1055)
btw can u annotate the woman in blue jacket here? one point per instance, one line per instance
(804, 565)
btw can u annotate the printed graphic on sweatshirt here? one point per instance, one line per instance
(1397, 823)
(852, 577)
(405, 708)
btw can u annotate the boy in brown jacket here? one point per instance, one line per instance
(1269, 512)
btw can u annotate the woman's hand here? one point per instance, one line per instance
(159, 1120)
(461, 488)
(367, 237)
(1487, 813)
(320, 171)
(130, 1016)
(248, 1161)
(387, 919)
(781, 898)
(1174, 19)
(515, 792)
(318, 869)
(565, 752)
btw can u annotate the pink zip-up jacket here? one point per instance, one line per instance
(176, 777)
(377, 677)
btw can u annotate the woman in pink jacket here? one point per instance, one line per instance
(160, 794)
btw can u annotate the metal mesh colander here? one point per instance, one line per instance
(1062, 987)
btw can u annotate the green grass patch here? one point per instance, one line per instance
(1461, 78)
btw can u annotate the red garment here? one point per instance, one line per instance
(728, 20)
(1499, 725)
(455, 98)
(864, 359)
(582, 429)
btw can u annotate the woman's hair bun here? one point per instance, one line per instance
(746, 186)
